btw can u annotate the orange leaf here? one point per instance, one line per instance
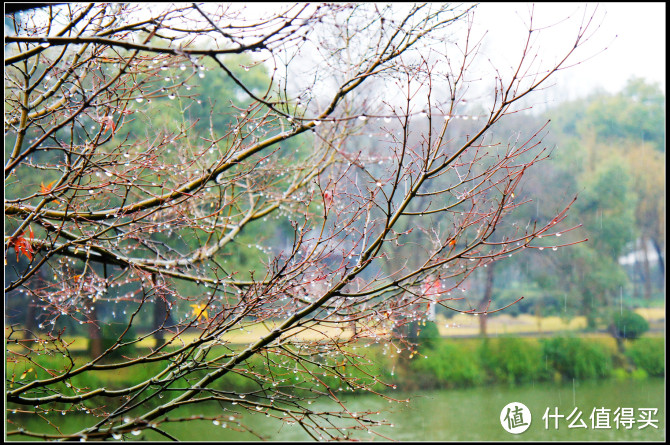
(45, 189)
(22, 245)
(108, 122)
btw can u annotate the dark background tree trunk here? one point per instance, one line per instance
(95, 338)
(162, 318)
(486, 298)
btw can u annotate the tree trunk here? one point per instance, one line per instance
(647, 270)
(95, 337)
(661, 263)
(486, 298)
(162, 318)
(30, 320)
(29, 323)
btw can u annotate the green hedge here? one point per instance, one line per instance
(513, 360)
(448, 365)
(577, 358)
(648, 354)
(510, 360)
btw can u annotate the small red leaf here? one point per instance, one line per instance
(22, 245)
(108, 122)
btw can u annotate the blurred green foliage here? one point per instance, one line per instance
(110, 334)
(512, 360)
(609, 150)
(648, 354)
(628, 324)
(577, 358)
(449, 365)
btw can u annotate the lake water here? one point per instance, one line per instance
(459, 415)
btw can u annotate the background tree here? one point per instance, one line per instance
(628, 126)
(136, 206)
(627, 325)
(609, 149)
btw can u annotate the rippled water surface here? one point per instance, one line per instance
(458, 415)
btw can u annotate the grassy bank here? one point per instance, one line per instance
(437, 363)
(523, 360)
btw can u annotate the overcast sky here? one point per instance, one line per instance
(633, 33)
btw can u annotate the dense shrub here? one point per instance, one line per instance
(428, 335)
(648, 354)
(448, 365)
(576, 358)
(628, 324)
(512, 360)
